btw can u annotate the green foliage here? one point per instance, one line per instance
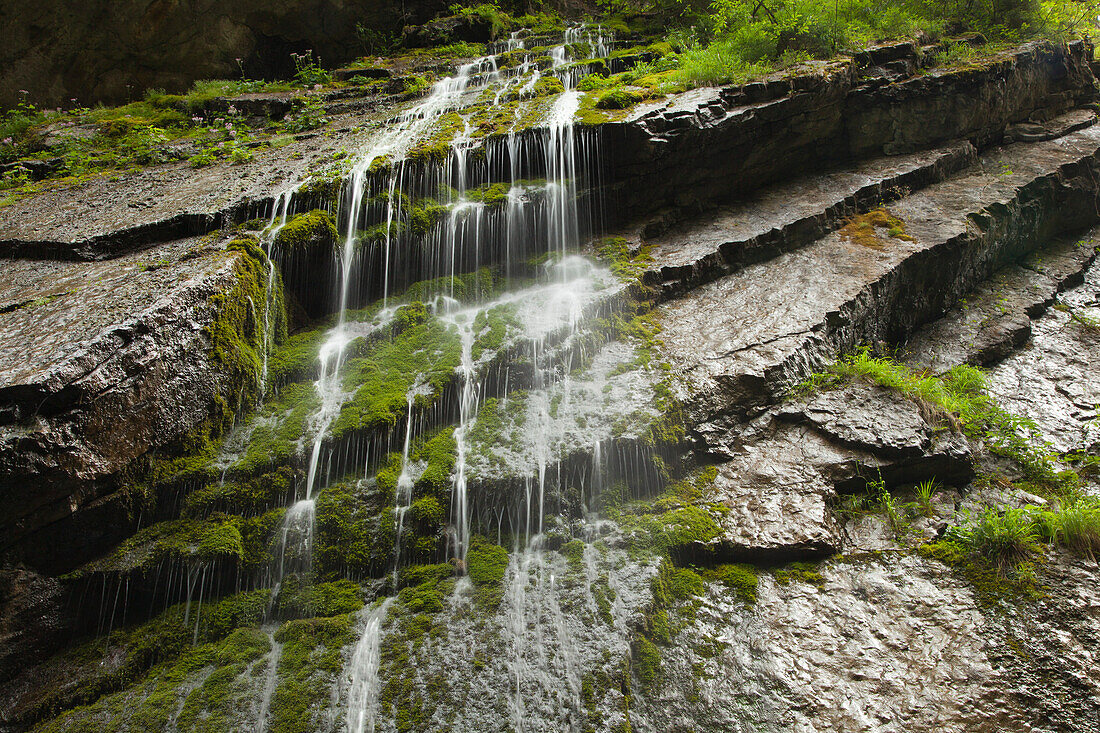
(313, 229)
(677, 528)
(628, 264)
(925, 491)
(244, 496)
(492, 326)
(1006, 538)
(309, 114)
(308, 71)
(486, 564)
(959, 398)
(311, 660)
(498, 20)
(296, 357)
(741, 579)
(1075, 525)
(114, 662)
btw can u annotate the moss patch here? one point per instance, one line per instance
(864, 229)
(486, 565)
(309, 230)
(425, 355)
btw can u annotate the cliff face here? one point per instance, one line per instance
(728, 470)
(111, 52)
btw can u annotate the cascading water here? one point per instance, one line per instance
(362, 693)
(502, 200)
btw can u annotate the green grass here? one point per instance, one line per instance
(1005, 538)
(958, 399)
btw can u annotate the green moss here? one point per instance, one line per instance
(467, 287)
(122, 659)
(684, 584)
(216, 703)
(574, 554)
(245, 496)
(355, 531)
(626, 262)
(312, 229)
(189, 541)
(322, 189)
(428, 513)
(298, 598)
(426, 597)
(257, 534)
(295, 358)
(438, 452)
(492, 327)
(279, 430)
(437, 148)
(311, 661)
(486, 565)
(677, 528)
(236, 333)
(424, 355)
(991, 585)
(803, 572)
(647, 661)
(741, 579)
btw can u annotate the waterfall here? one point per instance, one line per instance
(363, 682)
(499, 200)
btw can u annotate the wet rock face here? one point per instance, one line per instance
(101, 363)
(837, 293)
(111, 51)
(1053, 380)
(32, 618)
(788, 469)
(664, 154)
(888, 643)
(951, 233)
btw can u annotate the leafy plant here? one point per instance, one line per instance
(308, 71)
(925, 491)
(309, 116)
(1006, 538)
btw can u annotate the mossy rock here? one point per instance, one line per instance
(216, 539)
(486, 565)
(618, 99)
(313, 230)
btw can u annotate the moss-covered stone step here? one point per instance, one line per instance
(704, 146)
(739, 341)
(787, 216)
(153, 351)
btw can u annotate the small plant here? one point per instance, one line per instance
(1005, 539)
(885, 501)
(307, 71)
(925, 491)
(1076, 526)
(863, 229)
(309, 116)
